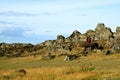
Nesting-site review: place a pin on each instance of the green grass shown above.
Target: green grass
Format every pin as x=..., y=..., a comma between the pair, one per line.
x=92, y=67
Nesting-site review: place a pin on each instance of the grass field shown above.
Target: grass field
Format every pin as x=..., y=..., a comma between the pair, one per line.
x=92, y=67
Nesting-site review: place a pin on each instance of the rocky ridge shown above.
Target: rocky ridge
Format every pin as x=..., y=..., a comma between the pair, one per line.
x=102, y=36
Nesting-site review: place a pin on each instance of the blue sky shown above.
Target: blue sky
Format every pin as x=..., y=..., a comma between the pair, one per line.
x=33, y=21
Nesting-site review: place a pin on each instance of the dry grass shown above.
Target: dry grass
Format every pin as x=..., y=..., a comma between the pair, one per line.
x=92, y=67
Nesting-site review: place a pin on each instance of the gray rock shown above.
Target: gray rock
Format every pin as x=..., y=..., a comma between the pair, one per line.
x=117, y=33
x=102, y=32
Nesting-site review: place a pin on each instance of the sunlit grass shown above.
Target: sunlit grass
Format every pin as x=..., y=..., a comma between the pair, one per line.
x=92, y=67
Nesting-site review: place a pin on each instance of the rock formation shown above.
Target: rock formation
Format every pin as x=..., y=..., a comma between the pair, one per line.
x=102, y=36
x=102, y=32
x=117, y=33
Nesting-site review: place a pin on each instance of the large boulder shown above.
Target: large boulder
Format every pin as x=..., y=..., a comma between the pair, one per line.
x=60, y=39
x=116, y=45
x=117, y=33
x=102, y=32
x=75, y=36
x=100, y=26
x=59, y=42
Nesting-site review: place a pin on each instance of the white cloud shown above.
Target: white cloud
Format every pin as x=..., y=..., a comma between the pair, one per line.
x=14, y=13
x=3, y=27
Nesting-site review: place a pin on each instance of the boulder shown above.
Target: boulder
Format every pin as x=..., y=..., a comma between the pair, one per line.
x=102, y=32
x=116, y=45
x=60, y=37
x=117, y=33
x=100, y=26
x=83, y=37
x=60, y=40
x=75, y=36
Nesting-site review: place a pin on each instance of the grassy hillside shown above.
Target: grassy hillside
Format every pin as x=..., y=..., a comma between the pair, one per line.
x=92, y=67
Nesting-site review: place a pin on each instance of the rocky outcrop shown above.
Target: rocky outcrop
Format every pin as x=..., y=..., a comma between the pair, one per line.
x=15, y=49
x=102, y=32
x=102, y=35
x=114, y=45
x=92, y=34
x=59, y=42
x=75, y=36
x=117, y=33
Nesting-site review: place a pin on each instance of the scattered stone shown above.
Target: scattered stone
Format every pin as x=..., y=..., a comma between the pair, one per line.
x=69, y=57
x=107, y=52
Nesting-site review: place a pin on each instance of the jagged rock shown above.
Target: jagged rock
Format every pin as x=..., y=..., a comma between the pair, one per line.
x=92, y=34
x=60, y=37
x=68, y=39
x=116, y=45
x=102, y=32
x=118, y=30
x=75, y=36
x=83, y=37
x=60, y=40
x=117, y=33
x=48, y=43
x=106, y=39
x=100, y=26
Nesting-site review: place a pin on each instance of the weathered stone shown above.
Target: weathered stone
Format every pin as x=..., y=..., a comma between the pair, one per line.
x=92, y=34
x=83, y=37
x=117, y=33
x=107, y=52
x=60, y=37
x=102, y=32
x=60, y=40
x=118, y=29
x=70, y=57
x=114, y=45
x=75, y=36
x=102, y=35
x=100, y=26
